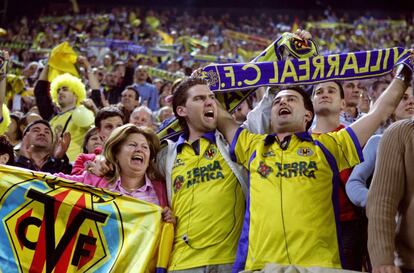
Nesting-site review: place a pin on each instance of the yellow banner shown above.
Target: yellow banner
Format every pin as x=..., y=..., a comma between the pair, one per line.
x=54, y=225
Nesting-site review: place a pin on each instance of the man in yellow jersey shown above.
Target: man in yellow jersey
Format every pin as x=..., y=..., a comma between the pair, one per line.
x=292, y=207
x=67, y=92
x=204, y=186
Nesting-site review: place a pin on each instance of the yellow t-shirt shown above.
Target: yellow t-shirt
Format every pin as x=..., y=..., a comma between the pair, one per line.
x=292, y=208
x=77, y=133
x=209, y=204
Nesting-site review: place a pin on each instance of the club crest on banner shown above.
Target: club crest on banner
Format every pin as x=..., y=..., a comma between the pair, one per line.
x=59, y=229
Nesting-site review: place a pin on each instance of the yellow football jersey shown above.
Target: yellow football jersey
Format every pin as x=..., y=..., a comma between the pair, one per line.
x=292, y=208
x=209, y=204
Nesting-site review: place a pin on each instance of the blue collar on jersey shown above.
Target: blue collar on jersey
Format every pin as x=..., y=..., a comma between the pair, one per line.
x=210, y=136
x=304, y=136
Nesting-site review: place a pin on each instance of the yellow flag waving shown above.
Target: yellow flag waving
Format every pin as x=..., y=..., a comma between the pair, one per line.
x=62, y=60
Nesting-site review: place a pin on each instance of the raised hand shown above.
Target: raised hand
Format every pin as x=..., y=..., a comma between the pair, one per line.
x=62, y=145
x=100, y=167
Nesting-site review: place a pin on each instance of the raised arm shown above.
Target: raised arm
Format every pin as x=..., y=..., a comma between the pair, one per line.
x=93, y=81
x=258, y=121
x=356, y=187
x=4, y=113
x=385, y=105
x=42, y=95
x=225, y=123
x=3, y=75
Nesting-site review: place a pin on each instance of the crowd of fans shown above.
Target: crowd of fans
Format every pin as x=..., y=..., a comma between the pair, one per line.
x=52, y=122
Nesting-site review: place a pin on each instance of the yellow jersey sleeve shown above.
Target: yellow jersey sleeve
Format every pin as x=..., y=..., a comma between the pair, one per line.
x=344, y=146
x=244, y=146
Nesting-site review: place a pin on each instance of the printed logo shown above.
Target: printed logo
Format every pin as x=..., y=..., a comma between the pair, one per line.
x=178, y=162
x=211, y=77
x=268, y=154
x=210, y=153
x=178, y=183
x=264, y=170
x=57, y=229
x=305, y=151
x=295, y=169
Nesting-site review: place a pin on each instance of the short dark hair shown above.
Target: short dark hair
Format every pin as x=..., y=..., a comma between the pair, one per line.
x=133, y=88
x=306, y=101
x=341, y=89
x=180, y=96
x=42, y=121
x=107, y=112
x=375, y=85
x=18, y=120
x=7, y=148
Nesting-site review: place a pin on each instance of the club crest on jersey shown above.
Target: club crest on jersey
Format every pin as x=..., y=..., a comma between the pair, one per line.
x=178, y=183
x=210, y=153
x=178, y=162
x=305, y=151
x=264, y=170
x=268, y=154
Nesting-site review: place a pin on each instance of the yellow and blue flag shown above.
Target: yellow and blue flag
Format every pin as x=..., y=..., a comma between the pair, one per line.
x=51, y=224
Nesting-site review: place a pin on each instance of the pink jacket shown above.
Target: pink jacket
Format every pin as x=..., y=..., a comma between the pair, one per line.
x=101, y=182
x=80, y=162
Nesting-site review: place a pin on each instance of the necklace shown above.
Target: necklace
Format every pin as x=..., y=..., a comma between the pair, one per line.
x=130, y=189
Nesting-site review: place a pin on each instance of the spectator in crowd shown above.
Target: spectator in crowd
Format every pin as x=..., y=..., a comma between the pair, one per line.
x=241, y=111
x=4, y=111
x=92, y=141
x=328, y=102
x=165, y=94
x=376, y=89
x=277, y=158
x=364, y=101
x=28, y=118
x=129, y=101
x=147, y=91
x=130, y=152
x=107, y=119
x=360, y=179
x=67, y=92
x=198, y=172
x=352, y=91
x=6, y=152
x=38, y=153
x=13, y=133
x=142, y=116
x=165, y=113
x=389, y=203
x=32, y=72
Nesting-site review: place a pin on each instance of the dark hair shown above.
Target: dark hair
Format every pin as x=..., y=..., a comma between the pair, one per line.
x=341, y=89
x=6, y=148
x=92, y=131
x=133, y=88
x=306, y=101
x=377, y=83
x=180, y=96
x=107, y=112
x=163, y=86
x=18, y=120
x=42, y=121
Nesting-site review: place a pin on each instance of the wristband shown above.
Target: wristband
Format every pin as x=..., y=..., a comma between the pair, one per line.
x=403, y=73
